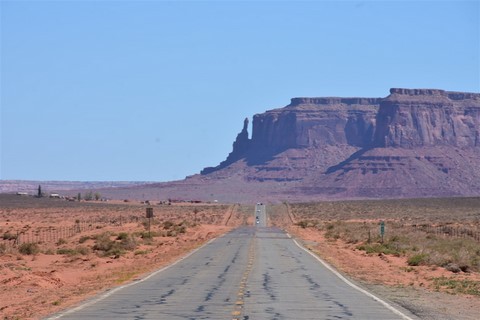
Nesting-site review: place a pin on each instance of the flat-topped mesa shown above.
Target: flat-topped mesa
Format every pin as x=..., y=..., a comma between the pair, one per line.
x=407, y=118
x=428, y=117
x=316, y=122
x=418, y=92
x=333, y=101
x=431, y=95
x=453, y=95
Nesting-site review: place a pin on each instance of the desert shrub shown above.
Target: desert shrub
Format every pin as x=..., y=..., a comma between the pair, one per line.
x=453, y=267
x=350, y=232
x=148, y=235
x=334, y=230
x=128, y=243
x=29, y=248
x=465, y=286
x=122, y=236
x=183, y=223
x=79, y=250
x=103, y=242
x=438, y=259
x=384, y=248
x=306, y=224
x=3, y=248
x=49, y=252
x=110, y=247
x=83, y=239
x=181, y=229
x=171, y=233
x=9, y=236
x=168, y=224
x=82, y=250
x=116, y=251
x=141, y=252
x=462, y=252
x=66, y=251
x=61, y=241
x=418, y=259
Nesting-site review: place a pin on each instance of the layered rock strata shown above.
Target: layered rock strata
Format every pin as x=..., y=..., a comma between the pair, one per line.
x=423, y=142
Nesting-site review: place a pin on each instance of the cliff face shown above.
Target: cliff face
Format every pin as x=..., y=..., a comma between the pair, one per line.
x=315, y=122
x=407, y=118
x=414, y=142
x=240, y=147
x=416, y=118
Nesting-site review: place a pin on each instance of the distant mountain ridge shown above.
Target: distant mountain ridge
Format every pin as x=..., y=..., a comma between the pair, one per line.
x=31, y=186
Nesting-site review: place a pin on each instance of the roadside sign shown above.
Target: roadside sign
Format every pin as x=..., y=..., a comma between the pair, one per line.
x=149, y=212
x=149, y=216
x=382, y=229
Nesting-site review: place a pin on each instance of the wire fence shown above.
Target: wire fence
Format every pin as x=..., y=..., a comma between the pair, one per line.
x=449, y=231
x=53, y=234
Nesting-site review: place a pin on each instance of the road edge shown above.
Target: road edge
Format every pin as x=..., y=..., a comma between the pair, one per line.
x=109, y=292
x=351, y=284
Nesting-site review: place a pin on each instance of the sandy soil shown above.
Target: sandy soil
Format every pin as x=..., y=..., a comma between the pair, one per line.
x=33, y=286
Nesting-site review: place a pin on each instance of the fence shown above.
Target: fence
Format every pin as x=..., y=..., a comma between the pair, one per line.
x=54, y=234
x=449, y=231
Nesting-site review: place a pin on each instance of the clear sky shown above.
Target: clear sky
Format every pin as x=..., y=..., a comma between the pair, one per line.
x=157, y=90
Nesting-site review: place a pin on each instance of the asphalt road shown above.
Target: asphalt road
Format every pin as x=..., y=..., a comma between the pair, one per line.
x=253, y=272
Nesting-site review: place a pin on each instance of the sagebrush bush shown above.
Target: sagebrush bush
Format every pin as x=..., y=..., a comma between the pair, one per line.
x=128, y=243
x=124, y=242
x=3, y=248
x=83, y=250
x=79, y=250
x=29, y=248
x=384, y=248
x=9, y=236
x=168, y=224
x=103, y=242
x=83, y=239
x=418, y=259
x=122, y=236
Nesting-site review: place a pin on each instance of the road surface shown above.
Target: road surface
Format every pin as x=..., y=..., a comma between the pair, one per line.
x=253, y=272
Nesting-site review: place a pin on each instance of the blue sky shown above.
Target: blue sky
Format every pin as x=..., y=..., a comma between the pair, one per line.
x=157, y=90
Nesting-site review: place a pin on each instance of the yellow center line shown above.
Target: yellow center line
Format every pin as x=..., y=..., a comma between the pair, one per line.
x=239, y=304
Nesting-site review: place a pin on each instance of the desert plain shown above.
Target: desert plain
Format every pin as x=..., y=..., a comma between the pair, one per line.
x=54, y=253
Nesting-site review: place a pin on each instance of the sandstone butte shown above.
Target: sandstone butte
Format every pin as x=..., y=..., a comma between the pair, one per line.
x=412, y=143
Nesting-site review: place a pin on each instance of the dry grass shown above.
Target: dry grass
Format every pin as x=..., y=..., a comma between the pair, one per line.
x=71, y=249
x=465, y=211
x=435, y=232
x=84, y=221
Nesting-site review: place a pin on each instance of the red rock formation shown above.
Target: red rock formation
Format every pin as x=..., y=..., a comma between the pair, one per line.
x=314, y=122
x=240, y=148
x=415, y=118
x=415, y=142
